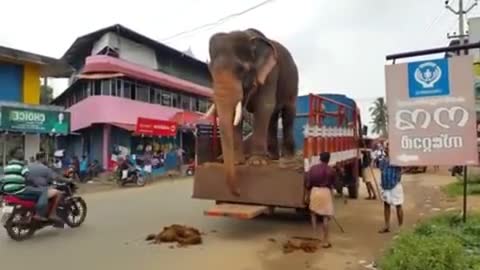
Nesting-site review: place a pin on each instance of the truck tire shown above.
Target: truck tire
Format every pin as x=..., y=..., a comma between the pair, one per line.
x=353, y=191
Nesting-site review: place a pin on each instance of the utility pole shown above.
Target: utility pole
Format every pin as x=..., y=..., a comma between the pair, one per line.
x=461, y=12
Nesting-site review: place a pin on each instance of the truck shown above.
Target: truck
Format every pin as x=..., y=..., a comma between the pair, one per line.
x=324, y=122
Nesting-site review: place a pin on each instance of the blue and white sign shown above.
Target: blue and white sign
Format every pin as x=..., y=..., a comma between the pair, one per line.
x=428, y=78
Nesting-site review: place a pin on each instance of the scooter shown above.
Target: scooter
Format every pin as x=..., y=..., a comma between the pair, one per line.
x=133, y=175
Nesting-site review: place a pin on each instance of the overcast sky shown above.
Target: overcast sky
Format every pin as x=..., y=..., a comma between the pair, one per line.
x=339, y=45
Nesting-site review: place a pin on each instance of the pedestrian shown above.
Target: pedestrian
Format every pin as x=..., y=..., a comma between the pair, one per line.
x=392, y=190
x=83, y=170
x=320, y=181
x=367, y=174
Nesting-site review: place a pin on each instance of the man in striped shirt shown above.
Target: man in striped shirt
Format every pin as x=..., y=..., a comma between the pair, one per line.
x=14, y=182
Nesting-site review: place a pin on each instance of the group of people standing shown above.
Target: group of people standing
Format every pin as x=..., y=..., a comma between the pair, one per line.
x=320, y=183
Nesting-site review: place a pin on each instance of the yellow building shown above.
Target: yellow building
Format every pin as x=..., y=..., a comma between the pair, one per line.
x=20, y=77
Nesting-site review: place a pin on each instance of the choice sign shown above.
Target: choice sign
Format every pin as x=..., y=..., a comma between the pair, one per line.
x=34, y=120
x=431, y=108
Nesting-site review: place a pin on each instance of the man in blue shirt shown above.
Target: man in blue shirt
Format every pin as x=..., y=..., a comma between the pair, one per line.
x=392, y=190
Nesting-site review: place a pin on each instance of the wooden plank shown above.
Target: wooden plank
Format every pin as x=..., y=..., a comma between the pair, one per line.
x=267, y=185
x=241, y=211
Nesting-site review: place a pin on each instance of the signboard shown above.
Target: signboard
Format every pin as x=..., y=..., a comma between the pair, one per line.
x=34, y=120
x=431, y=108
x=206, y=130
x=154, y=127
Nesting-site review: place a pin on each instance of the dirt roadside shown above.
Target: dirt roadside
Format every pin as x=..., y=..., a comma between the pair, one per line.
x=361, y=244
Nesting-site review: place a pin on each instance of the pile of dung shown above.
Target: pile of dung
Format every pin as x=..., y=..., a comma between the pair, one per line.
x=308, y=246
x=182, y=235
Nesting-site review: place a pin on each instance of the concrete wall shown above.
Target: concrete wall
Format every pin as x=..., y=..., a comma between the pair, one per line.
x=109, y=109
x=127, y=50
x=31, y=84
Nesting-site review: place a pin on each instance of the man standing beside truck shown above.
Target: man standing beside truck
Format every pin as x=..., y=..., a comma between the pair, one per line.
x=392, y=190
x=320, y=183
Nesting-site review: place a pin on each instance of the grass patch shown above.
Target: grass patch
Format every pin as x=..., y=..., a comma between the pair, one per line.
x=441, y=243
x=456, y=188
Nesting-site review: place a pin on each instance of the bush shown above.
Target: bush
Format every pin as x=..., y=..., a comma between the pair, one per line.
x=442, y=243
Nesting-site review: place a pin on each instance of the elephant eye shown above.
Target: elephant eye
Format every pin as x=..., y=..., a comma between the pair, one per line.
x=240, y=68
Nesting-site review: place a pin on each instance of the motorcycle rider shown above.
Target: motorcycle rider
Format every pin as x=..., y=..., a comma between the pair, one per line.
x=41, y=176
x=14, y=182
x=127, y=165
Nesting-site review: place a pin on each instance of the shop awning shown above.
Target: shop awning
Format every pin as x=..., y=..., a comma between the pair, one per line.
x=190, y=119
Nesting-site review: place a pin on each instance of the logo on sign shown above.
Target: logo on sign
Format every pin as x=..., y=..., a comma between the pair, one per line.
x=428, y=78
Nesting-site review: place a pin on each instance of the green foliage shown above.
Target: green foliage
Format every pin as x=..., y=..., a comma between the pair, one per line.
x=442, y=243
x=456, y=188
x=46, y=94
x=378, y=112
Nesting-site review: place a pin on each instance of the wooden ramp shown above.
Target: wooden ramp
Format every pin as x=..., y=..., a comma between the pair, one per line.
x=240, y=211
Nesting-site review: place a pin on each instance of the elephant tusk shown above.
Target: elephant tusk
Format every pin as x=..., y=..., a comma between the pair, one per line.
x=210, y=111
x=238, y=114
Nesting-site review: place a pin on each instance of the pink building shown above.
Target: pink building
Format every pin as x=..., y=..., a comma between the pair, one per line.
x=121, y=75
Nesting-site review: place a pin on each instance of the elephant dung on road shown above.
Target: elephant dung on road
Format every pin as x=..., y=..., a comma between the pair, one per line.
x=252, y=72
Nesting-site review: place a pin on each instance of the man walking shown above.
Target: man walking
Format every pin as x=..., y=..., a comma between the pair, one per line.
x=392, y=190
x=319, y=182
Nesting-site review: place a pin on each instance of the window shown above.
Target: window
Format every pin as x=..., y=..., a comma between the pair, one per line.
x=175, y=100
x=119, y=87
x=142, y=93
x=166, y=98
x=97, y=88
x=88, y=88
x=185, y=100
x=203, y=105
x=106, y=87
x=127, y=89
x=194, y=104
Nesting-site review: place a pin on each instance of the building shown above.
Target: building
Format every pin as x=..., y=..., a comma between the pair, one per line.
x=25, y=122
x=121, y=75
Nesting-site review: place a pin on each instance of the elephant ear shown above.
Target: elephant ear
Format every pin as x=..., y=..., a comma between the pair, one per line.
x=265, y=54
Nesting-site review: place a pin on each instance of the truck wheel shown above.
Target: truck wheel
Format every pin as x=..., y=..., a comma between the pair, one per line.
x=353, y=191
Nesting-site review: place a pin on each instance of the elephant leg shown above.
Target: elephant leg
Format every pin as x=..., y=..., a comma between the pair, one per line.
x=265, y=103
x=273, y=136
x=288, y=143
x=238, y=144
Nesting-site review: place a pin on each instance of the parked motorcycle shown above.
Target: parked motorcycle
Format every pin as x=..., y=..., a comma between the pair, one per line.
x=133, y=175
x=17, y=213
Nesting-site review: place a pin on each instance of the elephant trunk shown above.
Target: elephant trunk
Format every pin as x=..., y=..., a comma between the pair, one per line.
x=228, y=96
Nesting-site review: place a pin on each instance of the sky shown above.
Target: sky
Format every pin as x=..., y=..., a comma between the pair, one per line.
x=339, y=46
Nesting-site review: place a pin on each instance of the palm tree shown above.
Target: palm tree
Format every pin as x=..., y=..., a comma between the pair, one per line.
x=379, y=114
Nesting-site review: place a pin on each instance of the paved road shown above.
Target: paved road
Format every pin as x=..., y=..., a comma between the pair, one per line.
x=118, y=221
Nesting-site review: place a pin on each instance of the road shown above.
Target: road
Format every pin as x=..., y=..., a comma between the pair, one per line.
x=118, y=221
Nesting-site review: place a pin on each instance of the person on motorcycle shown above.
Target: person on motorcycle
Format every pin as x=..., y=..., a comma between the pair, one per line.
x=14, y=182
x=126, y=164
x=41, y=176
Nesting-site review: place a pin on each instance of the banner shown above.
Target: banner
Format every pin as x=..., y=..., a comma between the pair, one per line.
x=154, y=127
x=431, y=110
x=34, y=120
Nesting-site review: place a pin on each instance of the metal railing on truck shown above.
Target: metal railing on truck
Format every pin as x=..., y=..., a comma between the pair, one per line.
x=335, y=131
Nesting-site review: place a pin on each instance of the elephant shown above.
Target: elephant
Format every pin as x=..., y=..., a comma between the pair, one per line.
x=254, y=73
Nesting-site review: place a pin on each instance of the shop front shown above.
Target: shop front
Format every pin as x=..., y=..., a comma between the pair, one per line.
x=33, y=128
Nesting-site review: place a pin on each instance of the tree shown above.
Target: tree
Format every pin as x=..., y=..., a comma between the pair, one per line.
x=46, y=94
x=379, y=114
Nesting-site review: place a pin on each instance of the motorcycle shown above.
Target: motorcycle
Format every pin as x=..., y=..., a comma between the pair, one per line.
x=133, y=175
x=17, y=213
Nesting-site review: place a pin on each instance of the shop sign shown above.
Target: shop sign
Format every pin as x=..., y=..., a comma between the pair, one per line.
x=34, y=120
x=155, y=127
x=431, y=109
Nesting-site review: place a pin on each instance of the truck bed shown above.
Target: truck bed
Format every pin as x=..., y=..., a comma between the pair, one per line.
x=270, y=185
